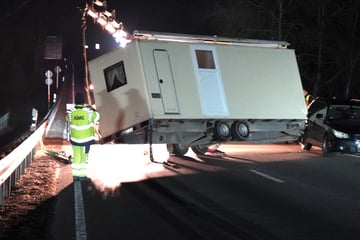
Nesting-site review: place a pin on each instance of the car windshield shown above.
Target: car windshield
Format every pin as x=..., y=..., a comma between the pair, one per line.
x=344, y=112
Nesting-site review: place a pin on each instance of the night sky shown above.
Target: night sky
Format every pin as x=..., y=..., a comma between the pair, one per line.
x=25, y=24
x=28, y=22
x=325, y=35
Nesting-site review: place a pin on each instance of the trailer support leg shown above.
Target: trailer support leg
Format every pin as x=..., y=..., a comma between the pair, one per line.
x=151, y=154
x=150, y=145
x=166, y=163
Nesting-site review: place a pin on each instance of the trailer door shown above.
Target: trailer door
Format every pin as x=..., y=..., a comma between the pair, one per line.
x=166, y=81
x=209, y=80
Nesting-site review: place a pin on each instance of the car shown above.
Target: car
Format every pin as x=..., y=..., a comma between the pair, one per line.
x=333, y=125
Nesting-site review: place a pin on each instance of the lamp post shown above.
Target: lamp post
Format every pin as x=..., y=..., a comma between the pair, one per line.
x=48, y=82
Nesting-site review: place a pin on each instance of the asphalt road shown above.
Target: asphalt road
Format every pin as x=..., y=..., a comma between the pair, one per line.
x=251, y=192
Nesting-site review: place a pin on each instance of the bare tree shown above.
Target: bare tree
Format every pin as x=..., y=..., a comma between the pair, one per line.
x=321, y=27
x=280, y=17
x=353, y=59
x=325, y=34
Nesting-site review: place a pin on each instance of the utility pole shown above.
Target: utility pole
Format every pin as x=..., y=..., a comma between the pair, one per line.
x=107, y=21
x=87, y=83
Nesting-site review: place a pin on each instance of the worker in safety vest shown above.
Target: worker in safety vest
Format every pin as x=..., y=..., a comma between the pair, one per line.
x=308, y=97
x=84, y=122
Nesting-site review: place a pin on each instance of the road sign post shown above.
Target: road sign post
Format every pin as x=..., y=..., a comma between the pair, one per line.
x=48, y=82
x=57, y=70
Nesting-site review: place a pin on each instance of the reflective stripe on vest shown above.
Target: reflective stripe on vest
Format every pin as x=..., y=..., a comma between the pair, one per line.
x=79, y=169
x=82, y=121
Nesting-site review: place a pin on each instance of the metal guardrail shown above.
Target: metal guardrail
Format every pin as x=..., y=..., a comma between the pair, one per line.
x=13, y=165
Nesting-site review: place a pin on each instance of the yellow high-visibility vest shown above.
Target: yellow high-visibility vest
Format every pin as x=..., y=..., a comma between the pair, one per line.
x=308, y=99
x=82, y=121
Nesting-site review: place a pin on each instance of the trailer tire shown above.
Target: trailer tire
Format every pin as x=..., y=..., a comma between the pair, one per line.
x=222, y=131
x=200, y=149
x=178, y=149
x=240, y=130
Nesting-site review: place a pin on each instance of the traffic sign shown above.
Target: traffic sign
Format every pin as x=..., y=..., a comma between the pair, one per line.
x=57, y=69
x=48, y=81
x=48, y=74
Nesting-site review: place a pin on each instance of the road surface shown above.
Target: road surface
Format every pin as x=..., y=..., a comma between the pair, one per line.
x=252, y=192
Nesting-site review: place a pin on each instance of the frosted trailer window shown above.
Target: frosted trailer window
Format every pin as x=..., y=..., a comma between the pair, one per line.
x=205, y=59
x=115, y=76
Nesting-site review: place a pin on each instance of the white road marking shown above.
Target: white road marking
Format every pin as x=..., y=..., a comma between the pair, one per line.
x=80, y=225
x=352, y=155
x=267, y=176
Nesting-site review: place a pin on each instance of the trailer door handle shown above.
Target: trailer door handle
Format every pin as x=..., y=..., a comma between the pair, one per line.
x=161, y=81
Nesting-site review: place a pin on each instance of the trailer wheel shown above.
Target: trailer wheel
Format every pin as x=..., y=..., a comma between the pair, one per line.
x=200, y=149
x=178, y=149
x=222, y=130
x=240, y=130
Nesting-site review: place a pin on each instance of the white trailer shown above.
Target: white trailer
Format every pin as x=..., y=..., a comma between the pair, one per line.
x=195, y=91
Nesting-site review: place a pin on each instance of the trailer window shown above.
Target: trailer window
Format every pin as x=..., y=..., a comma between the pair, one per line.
x=205, y=59
x=115, y=76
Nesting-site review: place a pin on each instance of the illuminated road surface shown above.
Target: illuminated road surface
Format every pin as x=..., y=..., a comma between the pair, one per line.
x=251, y=192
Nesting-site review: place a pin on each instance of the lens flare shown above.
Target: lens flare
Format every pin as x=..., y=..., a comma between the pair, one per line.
x=122, y=37
x=109, y=165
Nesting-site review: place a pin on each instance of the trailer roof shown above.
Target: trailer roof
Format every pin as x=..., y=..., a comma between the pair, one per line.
x=188, y=38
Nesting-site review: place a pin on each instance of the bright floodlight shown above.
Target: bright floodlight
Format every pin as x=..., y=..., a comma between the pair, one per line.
x=107, y=22
x=121, y=37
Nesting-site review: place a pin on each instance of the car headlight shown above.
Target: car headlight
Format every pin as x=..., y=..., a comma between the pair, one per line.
x=339, y=134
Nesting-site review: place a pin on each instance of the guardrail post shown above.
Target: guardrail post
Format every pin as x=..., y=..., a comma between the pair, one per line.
x=2, y=195
x=7, y=188
x=12, y=179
